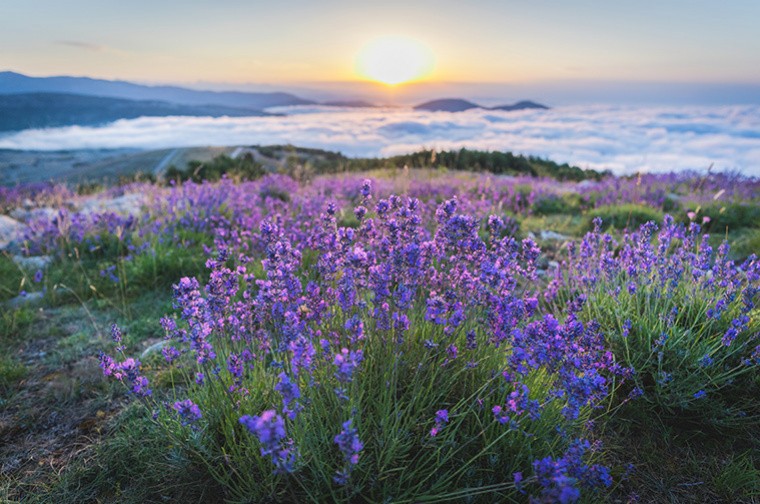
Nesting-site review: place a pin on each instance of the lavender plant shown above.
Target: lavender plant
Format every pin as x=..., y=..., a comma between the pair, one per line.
x=680, y=314
x=402, y=364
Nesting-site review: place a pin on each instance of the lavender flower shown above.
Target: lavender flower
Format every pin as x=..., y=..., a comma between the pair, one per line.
x=441, y=419
x=188, y=411
x=350, y=446
x=269, y=428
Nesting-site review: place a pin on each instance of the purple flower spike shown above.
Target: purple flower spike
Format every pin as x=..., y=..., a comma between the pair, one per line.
x=269, y=428
x=189, y=412
x=349, y=444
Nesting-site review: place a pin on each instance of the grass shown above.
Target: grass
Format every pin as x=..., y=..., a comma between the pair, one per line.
x=568, y=225
x=673, y=465
x=49, y=373
x=132, y=464
x=627, y=216
x=11, y=372
x=14, y=278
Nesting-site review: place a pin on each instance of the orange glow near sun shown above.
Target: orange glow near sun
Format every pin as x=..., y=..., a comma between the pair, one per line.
x=394, y=60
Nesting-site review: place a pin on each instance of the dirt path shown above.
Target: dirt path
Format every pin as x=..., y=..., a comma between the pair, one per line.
x=165, y=163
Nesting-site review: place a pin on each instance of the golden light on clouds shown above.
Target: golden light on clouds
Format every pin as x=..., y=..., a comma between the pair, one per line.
x=394, y=60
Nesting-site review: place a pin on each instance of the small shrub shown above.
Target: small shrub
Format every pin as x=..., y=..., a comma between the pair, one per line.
x=744, y=243
x=270, y=191
x=671, y=204
x=557, y=204
x=731, y=217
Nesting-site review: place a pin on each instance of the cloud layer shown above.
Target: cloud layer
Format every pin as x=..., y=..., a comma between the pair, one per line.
x=622, y=139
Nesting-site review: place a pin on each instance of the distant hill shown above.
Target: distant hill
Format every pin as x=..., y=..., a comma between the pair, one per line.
x=45, y=110
x=99, y=165
x=460, y=105
x=14, y=83
x=447, y=105
x=521, y=105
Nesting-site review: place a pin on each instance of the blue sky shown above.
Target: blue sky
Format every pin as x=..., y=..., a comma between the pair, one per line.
x=296, y=41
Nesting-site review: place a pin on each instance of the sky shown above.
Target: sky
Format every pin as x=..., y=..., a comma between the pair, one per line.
x=306, y=42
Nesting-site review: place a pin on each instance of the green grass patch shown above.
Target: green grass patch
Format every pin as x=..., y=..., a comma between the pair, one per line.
x=553, y=204
x=731, y=217
x=11, y=372
x=628, y=216
x=13, y=279
x=133, y=464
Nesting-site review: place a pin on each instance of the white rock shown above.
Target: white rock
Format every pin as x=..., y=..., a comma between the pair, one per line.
x=126, y=204
x=29, y=298
x=33, y=263
x=154, y=348
x=9, y=230
x=28, y=215
x=552, y=235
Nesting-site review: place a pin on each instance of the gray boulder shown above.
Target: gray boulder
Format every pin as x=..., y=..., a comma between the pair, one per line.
x=553, y=235
x=127, y=204
x=28, y=299
x=33, y=263
x=10, y=229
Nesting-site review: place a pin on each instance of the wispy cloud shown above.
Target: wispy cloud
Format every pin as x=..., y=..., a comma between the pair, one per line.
x=87, y=46
x=623, y=139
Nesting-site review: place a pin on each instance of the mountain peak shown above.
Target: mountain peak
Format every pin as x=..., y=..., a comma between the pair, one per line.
x=447, y=105
x=521, y=105
x=460, y=105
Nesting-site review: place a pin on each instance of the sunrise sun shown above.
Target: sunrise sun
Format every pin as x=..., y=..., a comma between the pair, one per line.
x=394, y=60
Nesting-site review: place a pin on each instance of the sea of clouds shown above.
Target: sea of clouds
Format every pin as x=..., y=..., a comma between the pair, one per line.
x=620, y=138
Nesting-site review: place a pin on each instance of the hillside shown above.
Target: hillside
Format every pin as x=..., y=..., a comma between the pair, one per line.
x=14, y=83
x=46, y=110
x=80, y=166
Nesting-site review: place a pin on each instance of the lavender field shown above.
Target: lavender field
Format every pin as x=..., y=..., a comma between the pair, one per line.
x=395, y=335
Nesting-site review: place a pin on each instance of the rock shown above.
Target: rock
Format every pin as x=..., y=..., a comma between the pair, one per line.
x=9, y=230
x=127, y=204
x=30, y=298
x=30, y=214
x=154, y=348
x=15, y=247
x=33, y=263
x=552, y=235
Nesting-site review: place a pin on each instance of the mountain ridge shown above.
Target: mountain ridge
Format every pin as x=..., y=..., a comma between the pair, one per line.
x=16, y=83
x=22, y=111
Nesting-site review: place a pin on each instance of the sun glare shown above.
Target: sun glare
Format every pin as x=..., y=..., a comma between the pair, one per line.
x=394, y=60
